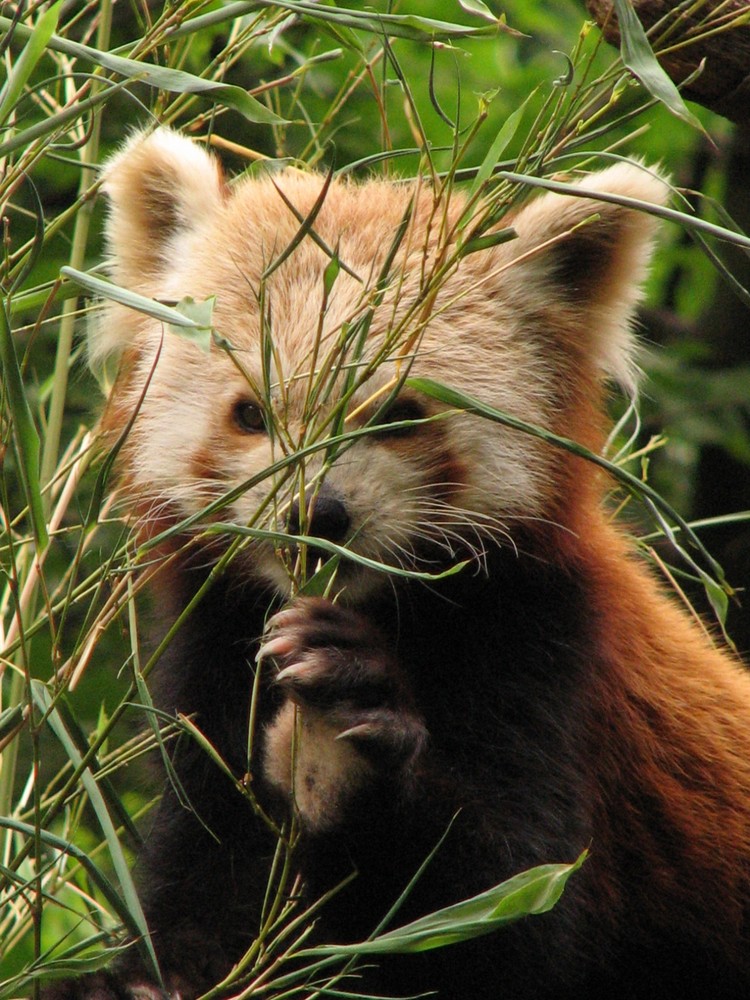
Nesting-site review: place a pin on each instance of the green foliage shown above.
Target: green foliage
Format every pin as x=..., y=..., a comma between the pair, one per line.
x=532, y=892
x=461, y=98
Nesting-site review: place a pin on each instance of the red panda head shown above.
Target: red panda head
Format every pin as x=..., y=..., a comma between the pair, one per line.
x=311, y=348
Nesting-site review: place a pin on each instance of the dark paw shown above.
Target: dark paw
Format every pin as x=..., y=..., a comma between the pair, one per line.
x=333, y=661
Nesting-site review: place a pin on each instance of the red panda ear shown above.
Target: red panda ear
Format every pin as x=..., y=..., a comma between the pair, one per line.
x=583, y=260
x=159, y=187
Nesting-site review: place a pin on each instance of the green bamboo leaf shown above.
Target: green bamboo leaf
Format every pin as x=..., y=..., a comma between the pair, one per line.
x=97, y=876
x=717, y=597
x=332, y=271
x=395, y=25
x=34, y=298
x=566, y=78
x=320, y=581
x=207, y=746
x=410, y=26
x=638, y=56
x=658, y=211
x=73, y=961
x=132, y=904
x=37, y=243
x=478, y=8
x=154, y=717
x=112, y=801
x=24, y=432
x=162, y=77
x=199, y=313
x=528, y=894
x=176, y=317
x=487, y=241
x=38, y=38
x=305, y=226
x=499, y=144
x=292, y=459
x=227, y=528
x=53, y=124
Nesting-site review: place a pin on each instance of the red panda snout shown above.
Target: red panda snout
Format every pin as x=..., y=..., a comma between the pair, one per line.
x=327, y=517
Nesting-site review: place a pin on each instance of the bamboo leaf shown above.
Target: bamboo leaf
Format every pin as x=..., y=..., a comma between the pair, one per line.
x=333, y=268
x=199, y=313
x=136, y=917
x=320, y=581
x=162, y=77
x=487, y=241
x=530, y=893
x=226, y=528
x=38, y=38
x=73, y=961
x=659, y=211
x=639, y=58
x=24, y=432
x=176, y=317
x=54, y=123
x=499, y=144
x=478, y=8
x=10, y=718
x=717, y=597
x=97, y=876
x=410, y=26
x=305, y=226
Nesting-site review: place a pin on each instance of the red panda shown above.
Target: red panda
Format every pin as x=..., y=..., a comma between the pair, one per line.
x=545, y=699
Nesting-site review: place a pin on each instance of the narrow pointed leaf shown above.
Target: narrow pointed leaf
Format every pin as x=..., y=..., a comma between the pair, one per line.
x=639, y=57
x=97, y=876
x=25, y=434
x=499, y=144
x=411, y=26
x=130, y=896
x=530, y=893
x=162, y=77
x=38, y=37
x=178, y=316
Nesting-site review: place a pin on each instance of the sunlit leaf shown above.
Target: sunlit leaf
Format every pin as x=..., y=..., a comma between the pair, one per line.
x=411, y=26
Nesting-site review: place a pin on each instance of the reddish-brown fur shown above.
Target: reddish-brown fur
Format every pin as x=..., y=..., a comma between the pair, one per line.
x=549, y=698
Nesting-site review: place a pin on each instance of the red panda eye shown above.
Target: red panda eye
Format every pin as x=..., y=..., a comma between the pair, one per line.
x=400, y=410
x=248, y=417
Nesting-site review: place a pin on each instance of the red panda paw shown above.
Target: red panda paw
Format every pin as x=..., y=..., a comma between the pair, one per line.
x=346, y=715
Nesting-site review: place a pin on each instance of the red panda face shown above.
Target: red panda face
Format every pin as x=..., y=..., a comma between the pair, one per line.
x=313, y=367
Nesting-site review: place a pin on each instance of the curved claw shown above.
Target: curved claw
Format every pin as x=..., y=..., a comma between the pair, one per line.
x=280, y=646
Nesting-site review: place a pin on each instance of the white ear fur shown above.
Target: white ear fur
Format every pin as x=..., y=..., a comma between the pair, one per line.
x=159, y=186
x=597, y=260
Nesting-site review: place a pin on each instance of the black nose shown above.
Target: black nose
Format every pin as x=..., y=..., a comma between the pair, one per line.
x=327, y=517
